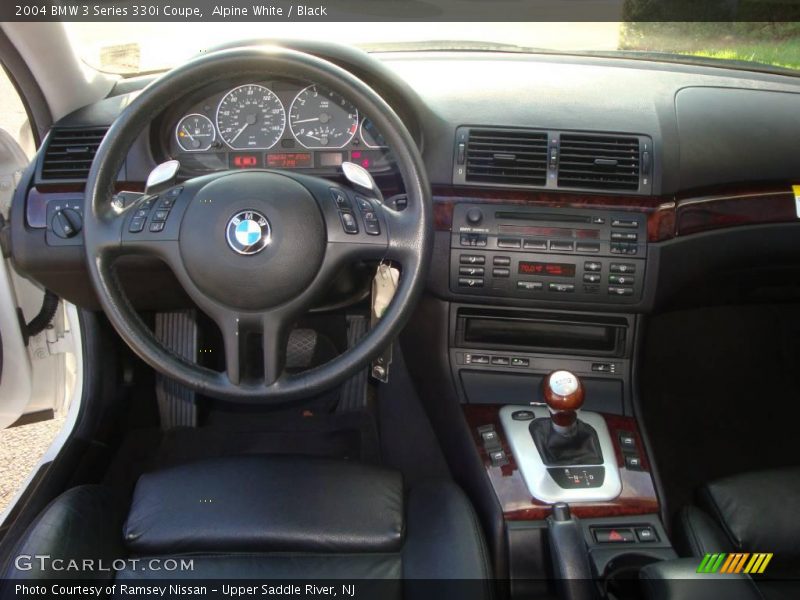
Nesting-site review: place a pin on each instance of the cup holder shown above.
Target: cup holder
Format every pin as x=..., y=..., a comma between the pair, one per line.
x=621, y=576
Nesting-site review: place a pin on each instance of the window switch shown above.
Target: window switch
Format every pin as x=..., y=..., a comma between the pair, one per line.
x=633, y=462
x=490, y=438
x=627, y=441
x=498, y=458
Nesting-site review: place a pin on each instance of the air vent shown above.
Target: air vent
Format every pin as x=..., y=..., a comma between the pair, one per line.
x=70, y=153
x=501, y=156
x=599, y=162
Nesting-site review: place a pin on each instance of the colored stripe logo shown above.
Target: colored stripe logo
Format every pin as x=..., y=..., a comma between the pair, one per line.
x=737, y=562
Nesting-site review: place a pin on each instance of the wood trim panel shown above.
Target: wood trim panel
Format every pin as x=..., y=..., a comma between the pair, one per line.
x=718, y=211
x=638, y=495
x=667, y=217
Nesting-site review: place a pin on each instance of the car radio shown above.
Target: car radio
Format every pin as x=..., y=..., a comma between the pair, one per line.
x=548, y=253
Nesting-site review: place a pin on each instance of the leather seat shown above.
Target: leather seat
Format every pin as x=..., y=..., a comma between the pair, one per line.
x=261, y=518
x=753, y=512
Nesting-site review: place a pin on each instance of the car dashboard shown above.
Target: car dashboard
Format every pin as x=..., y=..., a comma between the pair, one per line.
x=572, y=197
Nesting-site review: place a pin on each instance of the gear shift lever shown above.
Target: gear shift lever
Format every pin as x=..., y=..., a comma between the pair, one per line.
x=563, y=439
x=565, y=453
x=564, y=395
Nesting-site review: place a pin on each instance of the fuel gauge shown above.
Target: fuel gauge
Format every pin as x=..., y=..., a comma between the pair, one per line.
x=195, y=133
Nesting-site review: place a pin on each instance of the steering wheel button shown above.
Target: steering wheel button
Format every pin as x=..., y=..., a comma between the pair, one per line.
x=160, y=215
x=142, y=213
x=137, y=224
x=174, y=192
x=372, y=227
x=166, y=203
x=364, y=205
x=340, y=199
x=157, y=226
x=349, y=222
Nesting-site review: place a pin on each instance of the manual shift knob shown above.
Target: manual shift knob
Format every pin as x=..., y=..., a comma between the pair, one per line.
x=564, y=394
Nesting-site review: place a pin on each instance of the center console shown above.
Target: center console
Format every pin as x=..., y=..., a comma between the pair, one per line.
x=541, y=345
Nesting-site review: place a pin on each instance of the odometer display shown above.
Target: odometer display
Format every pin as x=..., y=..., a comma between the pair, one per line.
x=251, y=117
x=290, y=160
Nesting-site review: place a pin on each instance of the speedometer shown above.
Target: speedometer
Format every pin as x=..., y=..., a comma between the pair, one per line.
x=251, y=117
x=320, y=118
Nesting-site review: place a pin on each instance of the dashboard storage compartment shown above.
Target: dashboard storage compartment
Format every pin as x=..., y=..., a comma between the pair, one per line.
x=534, y=331
x=500, y=355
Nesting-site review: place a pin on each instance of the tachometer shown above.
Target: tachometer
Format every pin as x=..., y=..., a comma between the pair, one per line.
x=251, y=117
x=320, y=118
x=195, y=133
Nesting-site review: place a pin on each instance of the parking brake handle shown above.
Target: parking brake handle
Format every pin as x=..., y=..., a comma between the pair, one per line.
x=570, y=557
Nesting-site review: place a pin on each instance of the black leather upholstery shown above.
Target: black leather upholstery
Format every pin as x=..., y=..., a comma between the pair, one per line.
x=697, y=533
x=679, y=580
x=752, y=512
x=759, y=510
x=276, y=518
x=83, y=523
x=247, y=504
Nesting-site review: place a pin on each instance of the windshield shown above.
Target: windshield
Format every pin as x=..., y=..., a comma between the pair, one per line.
x=126, y=49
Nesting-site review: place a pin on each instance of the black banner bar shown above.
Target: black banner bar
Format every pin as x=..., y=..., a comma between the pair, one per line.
x=399, y=10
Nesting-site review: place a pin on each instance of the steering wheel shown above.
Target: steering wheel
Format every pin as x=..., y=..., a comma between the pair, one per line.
x=254, y=249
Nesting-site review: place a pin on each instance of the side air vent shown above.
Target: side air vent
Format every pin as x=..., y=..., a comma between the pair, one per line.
x=506, y=156
x=601, y=162
x=70, y=152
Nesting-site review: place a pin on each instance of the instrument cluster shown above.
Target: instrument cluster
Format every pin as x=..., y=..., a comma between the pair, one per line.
x=273, y=124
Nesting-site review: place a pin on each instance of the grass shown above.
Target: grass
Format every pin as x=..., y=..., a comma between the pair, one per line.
x=780, y=54
x=779, y=49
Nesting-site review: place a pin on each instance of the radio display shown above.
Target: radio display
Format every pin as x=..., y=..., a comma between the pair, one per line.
x=560, y=232
x=548, y=269
x=290, y=160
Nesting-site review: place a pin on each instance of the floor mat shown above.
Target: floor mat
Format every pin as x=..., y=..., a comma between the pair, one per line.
x=720, y=393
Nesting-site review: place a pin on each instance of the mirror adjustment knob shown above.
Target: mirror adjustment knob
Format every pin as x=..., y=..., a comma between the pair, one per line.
x=474, y=216
x=66, y=223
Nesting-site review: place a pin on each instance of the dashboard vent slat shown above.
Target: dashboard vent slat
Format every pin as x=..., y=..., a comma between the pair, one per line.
x=606, y=162
x=70, y=152
x=507, y=156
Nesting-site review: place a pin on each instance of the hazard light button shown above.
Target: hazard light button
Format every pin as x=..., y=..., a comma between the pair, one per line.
x=614, y=535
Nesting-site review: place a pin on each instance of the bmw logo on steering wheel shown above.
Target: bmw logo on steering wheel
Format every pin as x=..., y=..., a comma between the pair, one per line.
x=248, y=232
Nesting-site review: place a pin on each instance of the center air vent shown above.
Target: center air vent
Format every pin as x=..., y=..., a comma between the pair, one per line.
x=506, y=156
x=598, y=162
x=70, y=153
